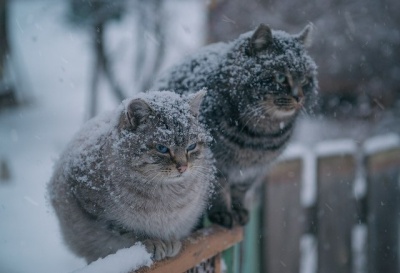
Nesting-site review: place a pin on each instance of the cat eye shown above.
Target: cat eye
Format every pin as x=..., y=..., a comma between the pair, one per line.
x=280, y=78
x=191, y=147
x=162, y=149
x=304, y=81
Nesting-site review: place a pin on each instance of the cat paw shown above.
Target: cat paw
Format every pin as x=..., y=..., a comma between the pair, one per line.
x=162, y=249
x=238, y=216
x=241, y=216
x=173, y=248
x=223, y=218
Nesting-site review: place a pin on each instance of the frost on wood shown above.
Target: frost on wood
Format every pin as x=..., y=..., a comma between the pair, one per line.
x=124, y=261
x=309, y=254
x=336, y=147
x=382, y=143
x=308, y=194
x=359, y=241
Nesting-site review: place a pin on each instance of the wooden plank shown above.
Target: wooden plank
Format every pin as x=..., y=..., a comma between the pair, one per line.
x=383, y=174
x=201, y=246
x=284, y=218
x=336, y=212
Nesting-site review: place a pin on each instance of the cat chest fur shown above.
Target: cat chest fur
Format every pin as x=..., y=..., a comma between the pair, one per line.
x=162, y=215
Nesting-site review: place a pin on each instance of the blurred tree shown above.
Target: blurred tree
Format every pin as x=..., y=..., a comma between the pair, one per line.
x=355, y=45
x=150, y=20
x=95, y=15
x=8, y=92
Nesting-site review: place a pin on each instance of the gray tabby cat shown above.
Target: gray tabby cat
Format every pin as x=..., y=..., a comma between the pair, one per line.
x=142, y=174
x=257, y=85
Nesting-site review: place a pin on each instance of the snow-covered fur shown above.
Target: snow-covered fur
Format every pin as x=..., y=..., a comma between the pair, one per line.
x=142, y=173
x=257, y=85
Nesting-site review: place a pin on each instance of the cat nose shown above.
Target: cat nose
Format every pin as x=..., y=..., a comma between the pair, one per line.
x=297, y=94
x=181, y=168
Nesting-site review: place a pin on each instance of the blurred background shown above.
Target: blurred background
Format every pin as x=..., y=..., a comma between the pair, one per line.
x=64, y=61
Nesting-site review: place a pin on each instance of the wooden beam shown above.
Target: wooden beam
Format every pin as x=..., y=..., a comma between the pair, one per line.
x=199, y=247
x=336, y=212
x=284, y=218
x=383, y=176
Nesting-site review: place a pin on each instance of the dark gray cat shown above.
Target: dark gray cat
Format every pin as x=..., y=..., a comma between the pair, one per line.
x=257, y=85
x=142, y=173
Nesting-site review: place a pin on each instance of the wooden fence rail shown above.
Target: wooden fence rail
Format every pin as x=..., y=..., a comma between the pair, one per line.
x=201, y=252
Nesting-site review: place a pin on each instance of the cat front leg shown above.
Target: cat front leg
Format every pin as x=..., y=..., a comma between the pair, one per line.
x=227, y=206
x=240, y=213
x=161, y=249
x=220, y=211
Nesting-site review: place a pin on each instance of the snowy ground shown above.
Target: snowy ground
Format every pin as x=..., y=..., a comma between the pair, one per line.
x=55, y=61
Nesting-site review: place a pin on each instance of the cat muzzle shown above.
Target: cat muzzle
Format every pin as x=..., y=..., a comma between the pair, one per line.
x=284, y=101
x=181, y=168
x=297, y=94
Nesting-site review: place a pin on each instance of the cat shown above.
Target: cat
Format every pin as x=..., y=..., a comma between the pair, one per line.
x=256, y=87
x=140, y=174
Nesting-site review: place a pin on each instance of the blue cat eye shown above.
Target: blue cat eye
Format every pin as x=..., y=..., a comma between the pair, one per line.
x=191, y=147
x=162, y=149
x=280, y=78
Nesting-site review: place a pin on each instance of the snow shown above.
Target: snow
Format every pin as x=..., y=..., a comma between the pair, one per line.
x=359, y=238
x=382, y=143
x=360, y=185
x=309, y=254
x=336, y=147
x=360, y=181
x=55, y=63
x=308, y=194
x=124, y=261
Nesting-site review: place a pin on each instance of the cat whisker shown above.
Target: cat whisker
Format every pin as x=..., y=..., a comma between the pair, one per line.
x=154, y=177
x=218, y=171
x=251, y=115
x=264, y=107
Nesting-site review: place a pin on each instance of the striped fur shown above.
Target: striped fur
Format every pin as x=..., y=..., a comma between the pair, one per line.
x=257, y=85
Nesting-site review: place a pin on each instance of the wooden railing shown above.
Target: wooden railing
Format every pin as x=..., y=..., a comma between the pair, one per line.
x=201, y=252
x=334, y=208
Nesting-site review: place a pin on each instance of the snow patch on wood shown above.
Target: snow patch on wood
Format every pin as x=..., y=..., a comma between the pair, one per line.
x=308, y=194
x=336, y=147
x=382, y=143
x=124, y=261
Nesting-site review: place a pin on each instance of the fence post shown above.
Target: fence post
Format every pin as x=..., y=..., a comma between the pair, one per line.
x=284, y=221
x=336, y=205
x=383, y=174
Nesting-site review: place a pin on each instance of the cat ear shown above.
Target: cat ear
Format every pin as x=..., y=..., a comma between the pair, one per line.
x=305, y=36
x=195, y=101
x=261, y=39
x=137, y=112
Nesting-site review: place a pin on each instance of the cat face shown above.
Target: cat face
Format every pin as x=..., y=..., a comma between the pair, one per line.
x=171, y=144
x=275, y=79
